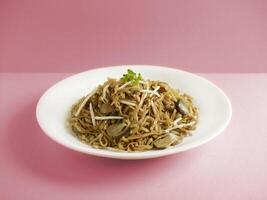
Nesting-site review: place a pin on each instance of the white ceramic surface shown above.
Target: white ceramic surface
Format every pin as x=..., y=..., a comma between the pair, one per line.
x=214, y=107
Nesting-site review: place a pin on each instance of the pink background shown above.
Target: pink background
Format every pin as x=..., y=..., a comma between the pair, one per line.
x=232, y=166
x=70, y=36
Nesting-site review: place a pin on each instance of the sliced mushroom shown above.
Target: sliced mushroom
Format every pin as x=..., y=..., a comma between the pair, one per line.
x=182, y=107
x=166, y=141
x=116, y=130
x=106, y=109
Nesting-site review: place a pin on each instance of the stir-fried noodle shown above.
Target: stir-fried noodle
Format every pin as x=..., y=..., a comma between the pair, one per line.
x=132, y=114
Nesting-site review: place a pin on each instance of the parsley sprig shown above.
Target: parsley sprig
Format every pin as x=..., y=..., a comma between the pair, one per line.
x=132, y=77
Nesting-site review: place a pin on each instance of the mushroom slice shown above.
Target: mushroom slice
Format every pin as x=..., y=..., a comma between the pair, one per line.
x=106, y=109
x=182, y=107
x=117, y=129
x=166, y=141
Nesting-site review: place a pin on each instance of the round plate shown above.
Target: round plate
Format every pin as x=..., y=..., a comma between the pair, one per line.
x=54, y=106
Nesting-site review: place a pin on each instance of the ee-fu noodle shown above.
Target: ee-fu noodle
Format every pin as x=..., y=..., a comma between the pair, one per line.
x=132, y=114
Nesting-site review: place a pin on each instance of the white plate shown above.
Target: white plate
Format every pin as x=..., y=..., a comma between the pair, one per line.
x=53, y=107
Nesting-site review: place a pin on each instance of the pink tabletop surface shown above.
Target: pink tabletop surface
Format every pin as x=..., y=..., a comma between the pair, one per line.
x=232, y=166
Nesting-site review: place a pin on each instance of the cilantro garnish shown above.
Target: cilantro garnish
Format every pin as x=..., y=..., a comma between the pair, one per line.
x=132, y=77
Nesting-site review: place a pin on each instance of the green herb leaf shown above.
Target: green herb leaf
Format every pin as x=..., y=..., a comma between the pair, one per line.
x=131, y=76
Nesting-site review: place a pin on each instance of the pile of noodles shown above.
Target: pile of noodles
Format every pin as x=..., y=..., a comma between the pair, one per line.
x=133, y=116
